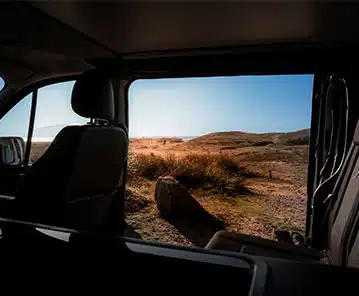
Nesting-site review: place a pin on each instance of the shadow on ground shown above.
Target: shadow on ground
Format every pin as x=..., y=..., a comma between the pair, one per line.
x=198, y=227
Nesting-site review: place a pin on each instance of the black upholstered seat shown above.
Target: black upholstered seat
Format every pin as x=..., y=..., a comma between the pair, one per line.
x=74, y=183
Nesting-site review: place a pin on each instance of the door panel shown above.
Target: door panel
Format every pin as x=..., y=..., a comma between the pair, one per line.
x=10, y=178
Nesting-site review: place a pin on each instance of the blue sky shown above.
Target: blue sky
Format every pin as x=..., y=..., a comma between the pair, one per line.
x=183, y=107
x=1, y=83
x=53, y=112
x=197, y=106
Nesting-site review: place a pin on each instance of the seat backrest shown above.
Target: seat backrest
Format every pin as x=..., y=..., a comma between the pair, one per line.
x=344, y=210
x=74, y=182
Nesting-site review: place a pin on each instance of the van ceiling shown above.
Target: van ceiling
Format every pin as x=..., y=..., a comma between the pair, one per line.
x=104, y=30
x=34, y=46
x=142, y=26
x=43, y=39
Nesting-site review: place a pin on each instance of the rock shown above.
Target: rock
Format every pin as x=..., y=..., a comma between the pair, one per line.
x=173, y=199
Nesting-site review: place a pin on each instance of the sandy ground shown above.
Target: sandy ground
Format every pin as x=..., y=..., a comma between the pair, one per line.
x=275, y=203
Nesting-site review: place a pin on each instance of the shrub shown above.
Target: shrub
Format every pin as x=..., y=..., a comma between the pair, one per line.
x=217, y=173
x=299, y=141
x=148, y=166
x=262, y=143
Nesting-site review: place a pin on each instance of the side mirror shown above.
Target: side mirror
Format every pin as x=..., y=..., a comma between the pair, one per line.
x=12, y=151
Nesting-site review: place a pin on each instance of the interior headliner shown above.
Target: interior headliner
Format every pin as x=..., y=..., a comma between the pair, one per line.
x=142, y=26
x=51, y=39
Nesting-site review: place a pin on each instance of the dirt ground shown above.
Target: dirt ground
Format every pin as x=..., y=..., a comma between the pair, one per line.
x=277, y=198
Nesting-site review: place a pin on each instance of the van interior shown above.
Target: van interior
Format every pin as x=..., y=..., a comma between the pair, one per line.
x=62, y=215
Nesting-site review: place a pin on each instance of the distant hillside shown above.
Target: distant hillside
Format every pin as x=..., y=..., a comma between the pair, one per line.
x=242, y=139
x=300, y=137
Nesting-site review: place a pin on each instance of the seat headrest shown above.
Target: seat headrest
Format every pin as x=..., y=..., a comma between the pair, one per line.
x=92, y=96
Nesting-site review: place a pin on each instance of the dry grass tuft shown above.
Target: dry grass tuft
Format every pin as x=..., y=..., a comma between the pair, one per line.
x=215, y=173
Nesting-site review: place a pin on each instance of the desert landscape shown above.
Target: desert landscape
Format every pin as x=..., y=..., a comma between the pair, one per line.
x=250, y=183
x=245, y=183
